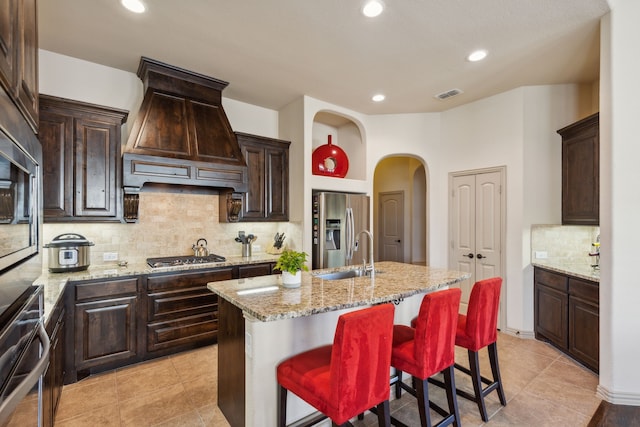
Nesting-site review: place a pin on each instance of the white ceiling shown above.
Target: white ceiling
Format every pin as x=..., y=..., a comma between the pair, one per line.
x=274, y=51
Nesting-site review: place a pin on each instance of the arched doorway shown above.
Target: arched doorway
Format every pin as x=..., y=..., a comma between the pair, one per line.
x=400, y=180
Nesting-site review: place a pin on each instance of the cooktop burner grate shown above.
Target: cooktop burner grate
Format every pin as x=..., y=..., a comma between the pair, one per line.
x=172, y=261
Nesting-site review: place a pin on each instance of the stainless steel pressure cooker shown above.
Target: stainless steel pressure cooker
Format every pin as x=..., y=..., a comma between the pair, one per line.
x=69, y=252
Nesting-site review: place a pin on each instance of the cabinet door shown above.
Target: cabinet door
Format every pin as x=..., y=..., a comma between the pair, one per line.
x=96, y=169
x=551, y=315
x=277, y=184
x=27, y=88
x=581, y=172
x=105, y=332
x=584, y=332
x=9, y=35
x=56, y=136
x=253, y=206
x=267, y=198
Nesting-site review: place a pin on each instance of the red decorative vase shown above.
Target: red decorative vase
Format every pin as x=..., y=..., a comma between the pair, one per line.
x=330, y=160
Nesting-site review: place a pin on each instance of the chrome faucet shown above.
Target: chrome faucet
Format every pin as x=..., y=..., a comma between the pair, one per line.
x=369, y=270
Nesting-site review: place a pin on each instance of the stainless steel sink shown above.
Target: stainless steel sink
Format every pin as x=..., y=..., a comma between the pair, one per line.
x=346, y=274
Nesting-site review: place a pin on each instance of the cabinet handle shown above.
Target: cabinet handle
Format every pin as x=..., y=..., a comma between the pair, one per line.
x=469, y=255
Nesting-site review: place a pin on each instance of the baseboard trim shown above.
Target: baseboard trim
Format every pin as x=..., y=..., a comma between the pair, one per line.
x=618, y=398
x=529, y=335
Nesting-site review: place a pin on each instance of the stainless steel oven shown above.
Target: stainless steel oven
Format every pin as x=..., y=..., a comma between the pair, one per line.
x=24, y=357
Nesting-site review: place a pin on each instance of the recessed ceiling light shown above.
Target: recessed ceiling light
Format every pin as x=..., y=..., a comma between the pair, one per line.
x=477, y=55
x=377, y=98
x=372, y=8
x=134, y=5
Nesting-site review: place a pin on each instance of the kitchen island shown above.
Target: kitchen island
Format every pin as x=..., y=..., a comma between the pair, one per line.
x=261, y=323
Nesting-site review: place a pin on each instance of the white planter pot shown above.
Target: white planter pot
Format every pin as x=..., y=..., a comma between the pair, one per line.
x=291, y=280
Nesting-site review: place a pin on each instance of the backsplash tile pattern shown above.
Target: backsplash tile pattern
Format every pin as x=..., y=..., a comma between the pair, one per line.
x=170, y=223
x=569, y=244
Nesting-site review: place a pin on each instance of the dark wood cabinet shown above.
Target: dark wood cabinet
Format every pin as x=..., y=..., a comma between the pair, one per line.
x=584, y=322
x=54, y=375
x=181, y=312
x=566, y=314
x=253, y=270
x=581, y=172
x=19, y=56
x=550, y=301
x=105, y=325
x=116, y=322
x=267, y=197
x=81, y=146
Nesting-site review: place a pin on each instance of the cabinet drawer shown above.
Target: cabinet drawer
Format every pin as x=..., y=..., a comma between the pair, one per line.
x=110, y=289
x=187, y=280
x=174, y=304
x=584, y=289
x=552, y=280
x=254, y=270
x=187, y=331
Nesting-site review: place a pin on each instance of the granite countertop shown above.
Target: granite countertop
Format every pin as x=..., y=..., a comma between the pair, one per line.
x=54, y=283
x=268, y=300
x=580, y=270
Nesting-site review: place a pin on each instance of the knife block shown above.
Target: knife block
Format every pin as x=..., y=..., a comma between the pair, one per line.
x=274, y=251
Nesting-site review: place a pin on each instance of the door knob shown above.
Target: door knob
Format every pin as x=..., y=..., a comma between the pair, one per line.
x=397, y=241
x=479, y=256
x=468, y=255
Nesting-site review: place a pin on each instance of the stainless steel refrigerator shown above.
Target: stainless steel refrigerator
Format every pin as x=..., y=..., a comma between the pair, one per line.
x=337, y=220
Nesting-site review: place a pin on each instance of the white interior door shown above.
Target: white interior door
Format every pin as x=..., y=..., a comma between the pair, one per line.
x=476, y=227
x=391, y=226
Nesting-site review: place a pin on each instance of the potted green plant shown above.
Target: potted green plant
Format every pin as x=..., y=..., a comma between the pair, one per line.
x=291, y=263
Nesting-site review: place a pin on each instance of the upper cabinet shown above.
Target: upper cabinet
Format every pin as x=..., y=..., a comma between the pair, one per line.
x=19, y=56
x=267, y=196
x=81, y=146
x=581, y=172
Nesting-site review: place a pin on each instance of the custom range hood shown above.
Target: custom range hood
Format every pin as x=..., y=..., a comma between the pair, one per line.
x=181, y=136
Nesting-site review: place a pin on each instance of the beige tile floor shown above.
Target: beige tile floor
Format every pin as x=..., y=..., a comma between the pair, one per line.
x=543, y=388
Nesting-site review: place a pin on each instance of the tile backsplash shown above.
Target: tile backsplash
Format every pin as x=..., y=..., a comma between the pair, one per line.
x=169, y=224
x=564, y=243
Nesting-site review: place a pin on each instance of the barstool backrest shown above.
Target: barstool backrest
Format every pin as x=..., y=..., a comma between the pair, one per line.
x=435, y=334
x=361, y=358
x=482, y=313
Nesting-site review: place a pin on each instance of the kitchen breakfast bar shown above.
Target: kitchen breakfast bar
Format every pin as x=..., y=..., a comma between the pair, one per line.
x=260, y=323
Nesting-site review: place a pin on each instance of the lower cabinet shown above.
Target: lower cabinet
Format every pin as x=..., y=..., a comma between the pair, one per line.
x=125, y=320
x=181, y=312
x=566, y=314
x=105, y=329
x=54, y=375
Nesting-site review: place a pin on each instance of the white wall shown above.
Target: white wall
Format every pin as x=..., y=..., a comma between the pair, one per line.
x=619, y=204
x=73, y=78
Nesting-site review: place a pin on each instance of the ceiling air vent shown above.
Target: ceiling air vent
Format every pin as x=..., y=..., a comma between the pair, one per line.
x=448, y=94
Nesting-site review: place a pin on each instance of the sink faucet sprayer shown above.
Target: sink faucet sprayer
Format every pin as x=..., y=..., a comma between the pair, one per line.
x=370, y=270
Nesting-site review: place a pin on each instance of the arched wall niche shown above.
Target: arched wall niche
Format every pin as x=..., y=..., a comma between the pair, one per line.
x=409, y=174
x=347, y=134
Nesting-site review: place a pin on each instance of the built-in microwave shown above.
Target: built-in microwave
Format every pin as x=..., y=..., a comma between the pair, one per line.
x=20, y=260
x=19, y=173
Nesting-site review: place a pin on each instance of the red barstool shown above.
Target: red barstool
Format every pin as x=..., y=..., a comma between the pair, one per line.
x=477, y=330
x=427, y=349
x=347, y=378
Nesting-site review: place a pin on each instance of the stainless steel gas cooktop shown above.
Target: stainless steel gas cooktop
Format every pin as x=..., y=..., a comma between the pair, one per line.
x=172, y=261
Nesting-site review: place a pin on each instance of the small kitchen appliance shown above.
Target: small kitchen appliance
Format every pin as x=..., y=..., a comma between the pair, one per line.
x=69, y=252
